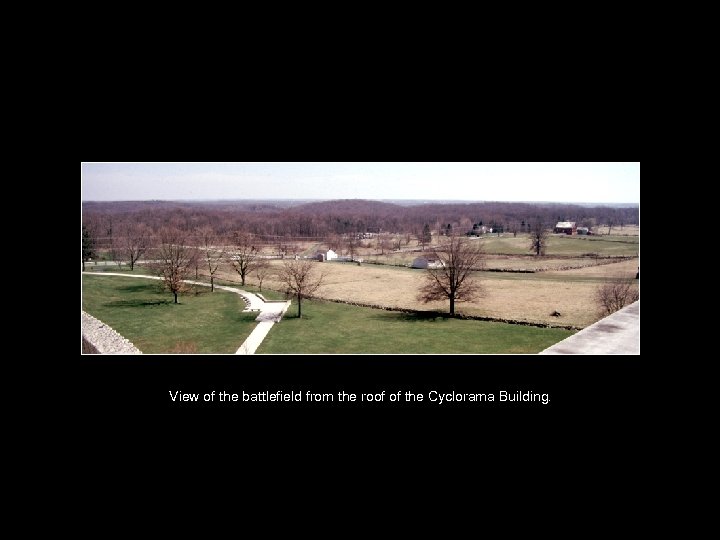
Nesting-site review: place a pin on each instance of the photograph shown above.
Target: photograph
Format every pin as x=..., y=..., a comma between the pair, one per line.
x=360, y=258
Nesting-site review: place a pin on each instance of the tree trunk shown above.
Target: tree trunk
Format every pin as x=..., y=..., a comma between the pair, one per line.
x=175, y=297
x=83, y=261
x=212, y=283
x=132, y=265
x=299, y=308
x=242, y=279
x=452, y=306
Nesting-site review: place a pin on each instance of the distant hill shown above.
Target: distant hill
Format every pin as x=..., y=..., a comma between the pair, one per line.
x=318, y=219
x=120, y=207
x=349, y=207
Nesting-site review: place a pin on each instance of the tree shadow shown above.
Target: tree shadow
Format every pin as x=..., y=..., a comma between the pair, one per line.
x=142, y=287
x=420, y=316
x=137, y=303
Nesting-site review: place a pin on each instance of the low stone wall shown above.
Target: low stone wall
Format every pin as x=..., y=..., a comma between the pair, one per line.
x=99, y=338
x=445, y=314
x=599, y=261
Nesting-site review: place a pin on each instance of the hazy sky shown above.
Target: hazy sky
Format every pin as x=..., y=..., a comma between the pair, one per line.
x=612, y=182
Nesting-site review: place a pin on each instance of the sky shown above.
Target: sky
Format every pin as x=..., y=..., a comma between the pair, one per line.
x=608, y=182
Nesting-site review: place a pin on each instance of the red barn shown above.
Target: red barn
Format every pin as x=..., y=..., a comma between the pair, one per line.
x=567, y=227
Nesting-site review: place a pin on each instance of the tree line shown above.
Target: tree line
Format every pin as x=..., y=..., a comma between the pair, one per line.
x=275, y=221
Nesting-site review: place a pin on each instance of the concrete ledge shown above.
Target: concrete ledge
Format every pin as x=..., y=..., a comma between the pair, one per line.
x=99, y=338
x=618, y=333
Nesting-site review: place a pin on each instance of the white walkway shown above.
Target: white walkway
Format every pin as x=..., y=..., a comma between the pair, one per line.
x=270, y=312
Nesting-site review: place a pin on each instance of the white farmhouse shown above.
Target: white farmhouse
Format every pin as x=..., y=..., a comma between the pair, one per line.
x=328, y=255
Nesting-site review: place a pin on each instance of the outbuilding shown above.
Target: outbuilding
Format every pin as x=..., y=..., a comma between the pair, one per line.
x=566, y=227
x=328, y=255
x=427, y=262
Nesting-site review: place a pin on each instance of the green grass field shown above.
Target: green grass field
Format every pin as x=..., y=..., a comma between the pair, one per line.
x=141, y=311
x=114, y=268
x=328, y=327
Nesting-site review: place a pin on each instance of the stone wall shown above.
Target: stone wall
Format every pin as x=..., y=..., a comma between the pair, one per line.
x=99, y=338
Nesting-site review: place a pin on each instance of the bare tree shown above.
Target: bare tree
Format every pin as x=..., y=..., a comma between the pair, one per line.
x=213, y=252
x=133, y=241
x=116, y=250
x=452, y=280
x=262, y=269
x=382, y=243
x=333, y=242
x=615, y=295
x=244, y=255
x=407, y=237
x=612, y=218
x=300, y=280
x=425, y=236
x=397, y=242
x=88, y=245
x=352, y=243
x=538, y=237
x=174, y=258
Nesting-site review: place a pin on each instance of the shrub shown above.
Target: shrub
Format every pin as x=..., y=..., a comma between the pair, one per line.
x=615, y=295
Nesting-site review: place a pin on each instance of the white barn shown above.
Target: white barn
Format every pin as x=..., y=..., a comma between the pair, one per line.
x=425, y=262
x=328, y=255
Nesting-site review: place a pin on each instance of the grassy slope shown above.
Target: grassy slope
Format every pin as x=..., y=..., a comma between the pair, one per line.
x=328, y=327
x=140, y=311
x=114, y=268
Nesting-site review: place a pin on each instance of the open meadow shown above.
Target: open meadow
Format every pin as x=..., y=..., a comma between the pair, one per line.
x=563, y=281
x=333, y=328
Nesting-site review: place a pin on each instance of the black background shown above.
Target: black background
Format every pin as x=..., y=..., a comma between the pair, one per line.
x=588, y=394
x=577, y=385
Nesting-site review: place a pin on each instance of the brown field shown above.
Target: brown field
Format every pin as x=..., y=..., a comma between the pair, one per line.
x=527, y=297
x=627, y=230
x=508, y=262
x=625, y=269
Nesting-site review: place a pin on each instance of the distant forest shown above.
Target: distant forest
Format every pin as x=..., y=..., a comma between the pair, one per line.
x=284, y=219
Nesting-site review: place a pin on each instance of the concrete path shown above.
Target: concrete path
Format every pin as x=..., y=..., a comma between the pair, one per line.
x=270, y=312
x=618, y=333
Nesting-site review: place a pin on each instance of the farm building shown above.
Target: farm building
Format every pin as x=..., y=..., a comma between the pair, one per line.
x=425, y=262
x=583, y=230
x=328, y=255
x=477, y=230
x=566, y=227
